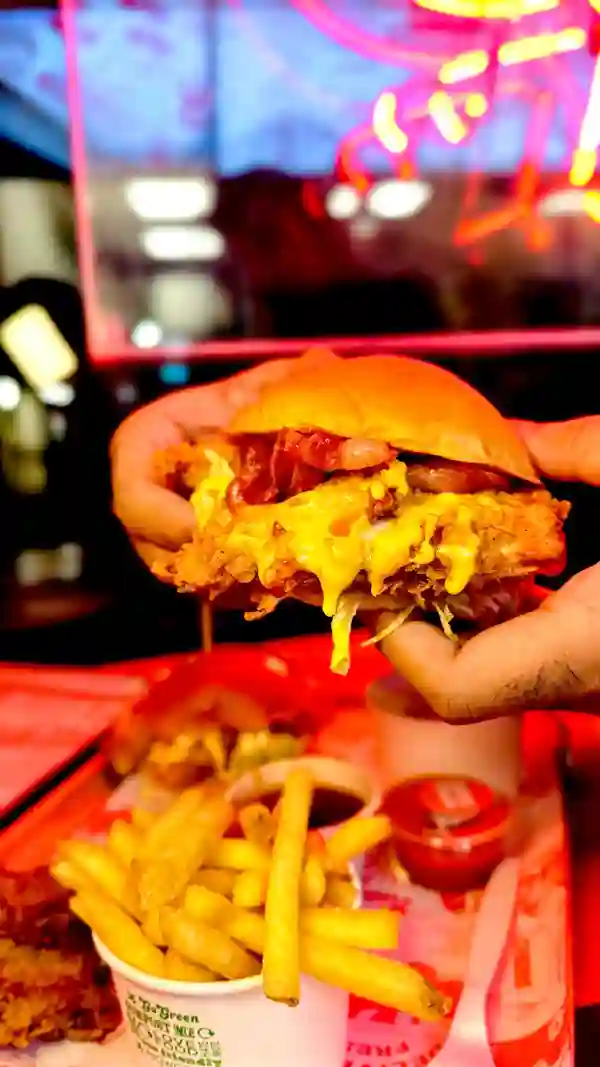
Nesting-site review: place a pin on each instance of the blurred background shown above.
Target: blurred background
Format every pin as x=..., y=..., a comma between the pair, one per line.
x=188, y=185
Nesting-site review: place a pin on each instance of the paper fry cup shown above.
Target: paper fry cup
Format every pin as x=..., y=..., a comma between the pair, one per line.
x=227, y=1024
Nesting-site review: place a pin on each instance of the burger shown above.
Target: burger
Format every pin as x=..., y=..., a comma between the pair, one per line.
x=367, y=483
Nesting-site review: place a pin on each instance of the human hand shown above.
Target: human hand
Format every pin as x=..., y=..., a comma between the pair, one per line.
x=548, y=658
x=157, y=520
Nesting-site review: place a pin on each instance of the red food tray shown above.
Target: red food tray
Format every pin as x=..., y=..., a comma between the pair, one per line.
x=529, y=1017
x=51, y=717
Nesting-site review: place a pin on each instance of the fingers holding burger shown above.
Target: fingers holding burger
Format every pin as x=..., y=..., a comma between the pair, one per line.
x=368, y=483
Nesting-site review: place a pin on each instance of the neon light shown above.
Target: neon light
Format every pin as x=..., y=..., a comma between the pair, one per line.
x=449, y=124
x=539, y=130
x=385, y=126
x=488, y=9
x=466, y=65
x=541, y=46
x=471, y=230
x=585, y=155
x=520, y=211
x=398, y=115
x=525, y=50
x=476, y=105
x=527, y=182
x=346, y=167
x=591, y=205
x=343, y=31
x=539, y=234
x=312, y=201
x=583, y=166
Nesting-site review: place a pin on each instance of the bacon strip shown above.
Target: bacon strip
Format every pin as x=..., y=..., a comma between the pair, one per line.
x=330, y=453
x=275, y=467
x=447, y=476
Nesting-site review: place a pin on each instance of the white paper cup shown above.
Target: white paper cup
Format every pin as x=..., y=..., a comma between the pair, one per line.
x=413, y=747
x=326, y=771
x=227, y=1024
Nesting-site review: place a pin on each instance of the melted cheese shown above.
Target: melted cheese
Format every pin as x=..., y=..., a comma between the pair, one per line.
x=208, y=499
x=327, y=531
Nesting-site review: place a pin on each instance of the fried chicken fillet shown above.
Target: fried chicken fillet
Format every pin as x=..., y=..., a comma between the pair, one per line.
x=53, y=986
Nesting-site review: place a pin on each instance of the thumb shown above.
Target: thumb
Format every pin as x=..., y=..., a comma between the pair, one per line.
x=547, y=658
x=567, y=451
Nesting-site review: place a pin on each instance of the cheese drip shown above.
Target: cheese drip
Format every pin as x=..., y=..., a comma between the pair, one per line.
x=327, y=532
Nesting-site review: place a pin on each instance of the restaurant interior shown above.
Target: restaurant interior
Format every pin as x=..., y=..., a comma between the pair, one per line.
x=189, y=187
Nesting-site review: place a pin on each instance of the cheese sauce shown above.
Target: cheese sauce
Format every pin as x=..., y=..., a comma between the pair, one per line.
x=301, y=529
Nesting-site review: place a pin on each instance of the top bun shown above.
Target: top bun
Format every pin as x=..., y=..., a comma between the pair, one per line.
x=412, y=405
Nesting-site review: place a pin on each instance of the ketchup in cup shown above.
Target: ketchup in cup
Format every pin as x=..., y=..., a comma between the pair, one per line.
x=449, y=833
x=448, y=790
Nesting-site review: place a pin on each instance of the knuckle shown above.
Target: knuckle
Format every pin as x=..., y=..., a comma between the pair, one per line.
x=454, y=706
x=583, y=442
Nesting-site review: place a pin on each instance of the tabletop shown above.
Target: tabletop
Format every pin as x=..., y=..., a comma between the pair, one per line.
x=582, y=791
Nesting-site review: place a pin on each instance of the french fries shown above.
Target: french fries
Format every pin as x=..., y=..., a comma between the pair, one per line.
x=153, y=928
x=219, y=880
x=124, y=841
x=88, y=861
x=202, y=903
x=313, y=884
x=362, y=929
x=281, y=961
x=175, y=897
x=209, y=947
x=248, y=928
x=234, y=853
x=354, y=837
x=339, y=892
x=216, y=750
x=244, y=926
x=141, y=819
x=258, y=824
x=214, y=732
x=373, y=977
x=250, y=889
x=163, y=877
x=171, y=822
x=179, y=969
x=121, y=935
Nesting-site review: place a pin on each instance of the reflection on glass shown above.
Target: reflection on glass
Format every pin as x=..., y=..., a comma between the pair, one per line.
x=146, y=334
x=200, y=244
x=332, y=169
x=174, y=374
x=169, y=199
x=37, y=348
x=10, y=394
x=398, y=199
x=57, y=394
x=35, y=566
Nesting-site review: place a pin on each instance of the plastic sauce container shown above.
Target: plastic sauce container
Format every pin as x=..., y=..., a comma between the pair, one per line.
x=342, y=791
x=449, y=790
x=450, y=833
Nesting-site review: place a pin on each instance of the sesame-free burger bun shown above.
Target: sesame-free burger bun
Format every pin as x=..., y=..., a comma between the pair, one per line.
x=412, y=405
